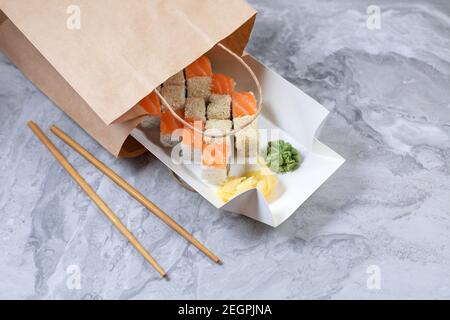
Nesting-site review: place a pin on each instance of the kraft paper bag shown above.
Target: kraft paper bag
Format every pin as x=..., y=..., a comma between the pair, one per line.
x=121, y=52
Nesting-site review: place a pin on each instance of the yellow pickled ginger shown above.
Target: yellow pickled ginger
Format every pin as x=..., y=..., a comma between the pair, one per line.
x=263, y=179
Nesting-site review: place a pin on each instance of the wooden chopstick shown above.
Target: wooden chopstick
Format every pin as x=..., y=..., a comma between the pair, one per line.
x=133, y=192
x=97, y=200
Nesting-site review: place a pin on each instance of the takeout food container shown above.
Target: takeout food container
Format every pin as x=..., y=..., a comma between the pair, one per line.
x=297, y=118
x=124, y=50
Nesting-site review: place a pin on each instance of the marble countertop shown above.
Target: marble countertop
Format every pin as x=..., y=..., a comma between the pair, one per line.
x=378, y=228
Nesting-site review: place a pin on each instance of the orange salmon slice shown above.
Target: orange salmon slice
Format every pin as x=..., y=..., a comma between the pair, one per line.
x=191, y=137
x=199, y=68
x=151, y=104
x=222, y=84
x=243, y=104
x=168, y=123
x=215, y=155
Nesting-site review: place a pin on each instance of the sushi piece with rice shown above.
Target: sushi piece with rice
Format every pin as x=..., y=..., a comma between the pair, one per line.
x=195, y=109
x=243, y=104
x=192, y=142
x=199, y=78
x=244, y=111
x=215, y=129
x=215, y=163
x=175, y=95
x=176, y=79
x=219, y=107
x=246, y=140
x=152, y=106
x=195, y=115
x=168, y=126
x=222, y=84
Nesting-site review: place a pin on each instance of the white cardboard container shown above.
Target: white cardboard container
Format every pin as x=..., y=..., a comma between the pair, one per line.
x=298, y=118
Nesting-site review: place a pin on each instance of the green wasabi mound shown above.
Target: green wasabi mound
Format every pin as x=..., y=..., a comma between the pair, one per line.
x=282, y=157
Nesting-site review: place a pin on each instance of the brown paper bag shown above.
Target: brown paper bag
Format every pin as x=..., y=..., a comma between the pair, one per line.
x=122, y=51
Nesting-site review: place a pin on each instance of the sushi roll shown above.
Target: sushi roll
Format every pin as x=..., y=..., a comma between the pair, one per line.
x=222, y=85
x=199, y=87
x=195, y=109
x=199, y=78
x=217, y=128
x=175, y=96
x=215, y=163
x=243, y=104
x=152, y=106
x=219, y=107
x=168, y=125
x=244, y=111
x=199, y=68
x=176, y=79
x=191, y=143
x=245, y=122
x=246, y=142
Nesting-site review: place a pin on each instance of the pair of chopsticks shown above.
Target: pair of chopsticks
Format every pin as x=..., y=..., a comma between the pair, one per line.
x=123, y=184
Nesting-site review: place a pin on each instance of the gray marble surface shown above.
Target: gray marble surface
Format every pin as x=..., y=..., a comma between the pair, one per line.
x=387, y=209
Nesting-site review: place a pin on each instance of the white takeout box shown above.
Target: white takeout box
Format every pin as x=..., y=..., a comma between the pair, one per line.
x=285, y=107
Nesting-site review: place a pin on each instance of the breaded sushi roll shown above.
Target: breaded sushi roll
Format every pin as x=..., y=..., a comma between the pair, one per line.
x=152, y=106
x=199, y=87
x=219, y=107
x=175, y=96
x=244, y=110
x=246, y=140
x=168, y=125
x=195, y=109
x=176, y=79
x=199, y=78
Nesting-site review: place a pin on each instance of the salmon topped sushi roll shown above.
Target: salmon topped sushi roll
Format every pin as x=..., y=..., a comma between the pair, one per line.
x=199, y=68
x=215, y=155
x=192, y=142
x=199, y=78
x=168, y=125
x=243, y=104
x=222, y=84
x=152, y=106
x=215, y=162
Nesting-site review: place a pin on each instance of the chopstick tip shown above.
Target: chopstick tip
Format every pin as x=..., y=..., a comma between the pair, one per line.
x=53, y=128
